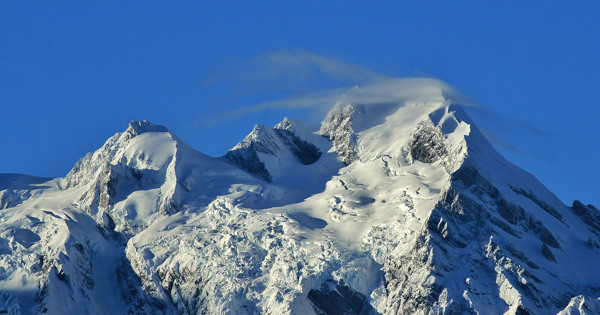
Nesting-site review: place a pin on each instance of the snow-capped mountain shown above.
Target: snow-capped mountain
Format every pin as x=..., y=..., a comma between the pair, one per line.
x=393, y=207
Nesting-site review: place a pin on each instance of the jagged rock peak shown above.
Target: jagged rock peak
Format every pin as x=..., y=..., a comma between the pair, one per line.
x=337, y=126
x=282, y=143
x=288, y=124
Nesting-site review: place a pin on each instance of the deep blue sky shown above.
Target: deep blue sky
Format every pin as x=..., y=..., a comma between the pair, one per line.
x=73, y=73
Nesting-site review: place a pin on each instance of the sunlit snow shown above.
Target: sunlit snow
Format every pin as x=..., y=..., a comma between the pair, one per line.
x=395, y=204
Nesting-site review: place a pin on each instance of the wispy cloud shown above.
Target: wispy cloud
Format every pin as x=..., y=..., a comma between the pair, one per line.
x=381, y=91
x=314, y=84
x=311, y=100
x=307, y=80
x=300, y=68
x=306, y=64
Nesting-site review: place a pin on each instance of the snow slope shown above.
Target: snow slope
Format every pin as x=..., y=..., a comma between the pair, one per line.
x=395, y=204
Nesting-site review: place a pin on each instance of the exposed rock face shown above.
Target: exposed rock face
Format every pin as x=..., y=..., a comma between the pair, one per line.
x=306, y=153
x=582, y=305
x=428, y=144
x=248, y=160
x=589, y=214
x=460, y=220
x=136, y=295
x=337, y=126
x=9, y=304
x=337, y=298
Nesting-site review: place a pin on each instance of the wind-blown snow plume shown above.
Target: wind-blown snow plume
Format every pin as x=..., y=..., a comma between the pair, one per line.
x=303, y=76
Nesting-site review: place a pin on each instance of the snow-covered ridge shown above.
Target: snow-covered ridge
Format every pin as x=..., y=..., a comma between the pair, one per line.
x=145, y=172
x=281, y=143
x=395, y=204
x=14, y=188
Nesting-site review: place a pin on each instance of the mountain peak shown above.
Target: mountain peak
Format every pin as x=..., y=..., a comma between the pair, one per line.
x=424, y=217
x=121, y=147
x=138, y=127
x=266, y=150
x=286, y=124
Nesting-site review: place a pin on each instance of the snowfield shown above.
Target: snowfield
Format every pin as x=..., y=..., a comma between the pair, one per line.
x=395, y=204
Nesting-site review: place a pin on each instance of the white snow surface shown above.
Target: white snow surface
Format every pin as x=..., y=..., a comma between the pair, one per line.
x=425, y=217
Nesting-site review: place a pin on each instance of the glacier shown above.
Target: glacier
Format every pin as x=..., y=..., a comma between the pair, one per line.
x=395, y=204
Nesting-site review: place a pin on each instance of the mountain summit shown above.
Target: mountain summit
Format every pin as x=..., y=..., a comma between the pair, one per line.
x=395, y=204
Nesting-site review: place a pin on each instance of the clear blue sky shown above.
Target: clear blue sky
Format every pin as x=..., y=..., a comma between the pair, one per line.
x=73, y=73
